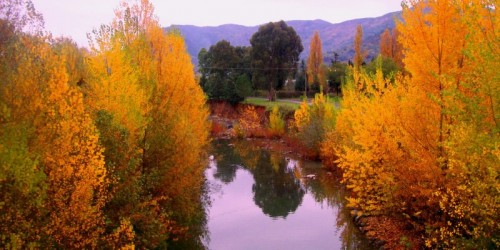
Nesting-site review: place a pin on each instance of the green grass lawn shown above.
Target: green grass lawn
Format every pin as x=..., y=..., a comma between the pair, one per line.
x=284, y=105
x=287, y=105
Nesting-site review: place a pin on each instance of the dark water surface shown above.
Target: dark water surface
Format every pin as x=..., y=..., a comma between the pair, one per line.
x=266, y=200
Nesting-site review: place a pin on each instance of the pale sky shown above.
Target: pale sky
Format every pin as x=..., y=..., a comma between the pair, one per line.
x=75, y=18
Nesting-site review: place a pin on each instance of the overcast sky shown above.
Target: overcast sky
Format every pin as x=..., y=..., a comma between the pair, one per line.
x=75, y=18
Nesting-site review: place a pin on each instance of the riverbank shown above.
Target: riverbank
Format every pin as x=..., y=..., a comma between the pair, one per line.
x=385, y=232
x=225, y=119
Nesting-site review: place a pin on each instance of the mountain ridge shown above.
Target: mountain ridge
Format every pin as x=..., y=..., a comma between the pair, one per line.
x=336, y=37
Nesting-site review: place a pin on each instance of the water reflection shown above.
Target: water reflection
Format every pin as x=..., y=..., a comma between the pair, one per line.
x=264, y=200
x=276, y=190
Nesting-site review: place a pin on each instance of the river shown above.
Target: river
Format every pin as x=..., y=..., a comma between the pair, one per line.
x=261, y=199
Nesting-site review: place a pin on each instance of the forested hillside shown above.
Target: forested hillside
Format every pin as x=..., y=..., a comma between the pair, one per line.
x=336, y=38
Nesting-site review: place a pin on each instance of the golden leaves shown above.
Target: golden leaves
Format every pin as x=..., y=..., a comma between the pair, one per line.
x=359, y=52
x=314, y=121
x=315, y=68
x=249, y=120
x=302, y=116
x=74, y=166
x=276, y=122
x=424, y=147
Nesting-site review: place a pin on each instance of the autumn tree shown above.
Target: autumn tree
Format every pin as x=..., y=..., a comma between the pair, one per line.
x=314, y=121
x=74, y=59
x=386, y=43
x=315, y=67
x=117, y=89
x=177, y=133
x=74, y=166
x=23, y=186
x=139, y=78
x=22, y=179
x=80, y=163
x=390, y=46
x=459, y=80
x=433, y=55
x=276, y=122
x=58, y=143
x=359, y=52
x=275, y=52
x=423, y=147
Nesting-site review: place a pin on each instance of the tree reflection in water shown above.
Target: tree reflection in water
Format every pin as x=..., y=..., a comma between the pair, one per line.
x=276, y=190
x=281, y=184
x=328, y=188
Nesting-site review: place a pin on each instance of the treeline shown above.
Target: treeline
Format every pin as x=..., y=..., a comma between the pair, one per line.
x=420, y=145
x=99, y=148
x=272, y=63
x=232, y=73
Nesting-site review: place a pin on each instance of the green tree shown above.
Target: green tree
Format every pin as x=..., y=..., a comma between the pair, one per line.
x=225, y=72
x=336, y=75
x=389, y=67
x=300, y=78
x=275, y=52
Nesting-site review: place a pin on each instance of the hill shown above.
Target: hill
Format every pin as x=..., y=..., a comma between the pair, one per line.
x=337, y=37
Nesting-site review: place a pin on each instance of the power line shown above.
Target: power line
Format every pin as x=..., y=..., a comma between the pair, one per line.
x=220, y=68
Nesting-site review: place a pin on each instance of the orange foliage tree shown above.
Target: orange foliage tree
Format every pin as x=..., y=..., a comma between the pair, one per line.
x=178, y=130
x=74, y=165
x=425, y=148
x=315, y=67
x=154, y=135
x=63, y=168
x=390, y=46
x=359, y=52
x=99, y=148
x=386, y=43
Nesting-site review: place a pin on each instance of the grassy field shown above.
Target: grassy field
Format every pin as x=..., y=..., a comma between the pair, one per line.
x=288, y=105
x=283, y=104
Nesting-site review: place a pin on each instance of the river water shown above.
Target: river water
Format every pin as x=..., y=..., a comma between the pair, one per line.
x=266, y=200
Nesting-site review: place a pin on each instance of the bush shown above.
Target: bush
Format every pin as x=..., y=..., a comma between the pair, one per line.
x=276, y=122
x=249, y=120
x=313, y=121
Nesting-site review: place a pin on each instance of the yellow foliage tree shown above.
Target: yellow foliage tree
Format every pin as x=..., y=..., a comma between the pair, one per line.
x=249, y=120
x=137, y=180
x=74, y=166
x=276, y=122
x=315, y=69
x=23, y=187
x=425, y=148
x=178, y=130
x=74, y=59
x=314, y=121
x=155, y=136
